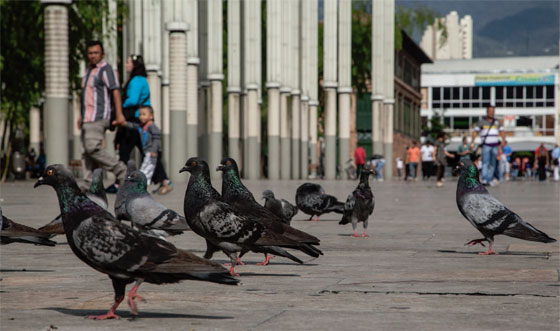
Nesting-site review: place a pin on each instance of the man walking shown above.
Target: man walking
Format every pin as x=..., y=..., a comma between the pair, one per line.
x=100, y=93
x=491, y=131
x=360, y=159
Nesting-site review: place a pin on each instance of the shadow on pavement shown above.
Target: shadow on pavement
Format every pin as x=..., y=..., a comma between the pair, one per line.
x=126, y=314
x=530, y=254
x=26, y=270
x=252, y=274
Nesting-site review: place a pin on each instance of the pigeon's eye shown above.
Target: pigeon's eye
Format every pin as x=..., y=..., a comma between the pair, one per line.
x=193, y=163
x=133, y=175
x=49, y=172
x=228, y=162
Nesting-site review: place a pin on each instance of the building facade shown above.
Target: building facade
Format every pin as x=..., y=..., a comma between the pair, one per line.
x=459, y=41
x=523, y=90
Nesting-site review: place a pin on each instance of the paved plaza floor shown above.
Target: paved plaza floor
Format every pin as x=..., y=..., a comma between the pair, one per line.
x=413, y=273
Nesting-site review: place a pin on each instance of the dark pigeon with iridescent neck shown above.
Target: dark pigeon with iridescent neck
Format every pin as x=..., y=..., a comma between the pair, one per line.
x=359, y=205
x=312, y=200
x=145, y=212
x=487, y=214
x=237, y=195
x=119, y=251
x=225, y=227
x=279, y=207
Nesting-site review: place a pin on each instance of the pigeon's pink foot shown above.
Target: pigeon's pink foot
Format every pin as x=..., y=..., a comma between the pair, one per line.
x=365, y=235
x=316, y=219
x=131, y=296
x=232, y=272
x=490, y=251
x=476, y=241
x=356, y=235
x=265, y=262
x=111, y=313
x=237, y=262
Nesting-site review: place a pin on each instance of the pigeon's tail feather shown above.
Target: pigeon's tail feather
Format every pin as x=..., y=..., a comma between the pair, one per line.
x=526, y=231
x=281, y=252
x=220, y=278
x=53, y=228
x=337, y=207
x=28, y=238
x=310, y=250
x=344, y=220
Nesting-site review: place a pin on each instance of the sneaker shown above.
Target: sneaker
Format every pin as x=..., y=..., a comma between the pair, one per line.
x=439, y=184
x=484, y=183
x=166, y=188
x=494, y=182
x=112, y=189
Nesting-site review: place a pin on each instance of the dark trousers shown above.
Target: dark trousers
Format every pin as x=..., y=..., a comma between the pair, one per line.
x=440, y=170
x=159, y=173
x=542, y=168
x=427, y=169
x=359, y=168
x=127, y=139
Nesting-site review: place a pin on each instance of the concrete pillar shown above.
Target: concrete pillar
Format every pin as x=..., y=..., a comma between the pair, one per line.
x=330, y=84
x=285, y=163
x=154, y=81
x=273, y=72
x=152, y=53
x=56, y=81
x=234, y=79
x=253, y=117
x=313, y=137
x=181, y=148
x=204, y=83
x=296, y=87
x=344, y=82
x=215, y=75
x=35, y=128
x=377, y=76
x=166, y=15
x=296, y=141
x=313, y=76
x=389, y=74
x=192, y=106
x=304, y=145
x=165, y=123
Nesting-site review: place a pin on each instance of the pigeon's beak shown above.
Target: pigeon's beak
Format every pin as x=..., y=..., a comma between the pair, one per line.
x=220, y=167
x=39, y=182
x=183, y=169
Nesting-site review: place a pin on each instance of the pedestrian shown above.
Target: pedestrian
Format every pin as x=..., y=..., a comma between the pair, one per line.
x=413, y=156
x=515, y=166
x=406, y=171
x=150, y=136
x=555, y=163
x=464, y=150
x=541, y=161
x=377, y=161
x=440, y=154
x=100, y=99
x=490, y=130
x=399, y=166
x=507, y=151
x=360, y=159
x=427, y=152
x=136, y=93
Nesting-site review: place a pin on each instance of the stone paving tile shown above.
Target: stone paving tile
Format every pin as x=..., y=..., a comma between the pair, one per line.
x=414, y=273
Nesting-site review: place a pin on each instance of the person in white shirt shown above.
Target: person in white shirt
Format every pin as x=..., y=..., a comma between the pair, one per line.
x=426, y=153
x=400, y=165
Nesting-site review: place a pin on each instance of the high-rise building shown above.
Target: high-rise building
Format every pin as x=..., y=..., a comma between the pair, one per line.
x=457, y=45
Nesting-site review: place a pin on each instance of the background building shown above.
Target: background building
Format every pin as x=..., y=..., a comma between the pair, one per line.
x=523, y=90
x=459, y=41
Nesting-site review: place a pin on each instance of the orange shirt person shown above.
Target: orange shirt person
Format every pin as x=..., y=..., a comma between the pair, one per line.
x=413, y=157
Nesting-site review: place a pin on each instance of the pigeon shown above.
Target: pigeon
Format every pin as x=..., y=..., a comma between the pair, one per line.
x=487, y=214
x=281, y=208
x=237, y=195
x=120, y=251
x=95, y=193
x=120, y=208
x=221, y=224
x=12, y=232
x=359, y=205
x=145, y=212
x=312, y=200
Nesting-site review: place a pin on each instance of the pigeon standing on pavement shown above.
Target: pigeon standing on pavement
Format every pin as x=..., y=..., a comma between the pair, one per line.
x=221, y=224
x=145, y=212
x=120, y=207
x=12, y=232
x=281, y=208
x=359, y=205
x=95, y=193
x=237, y=195
x=487, y=214
x=312, y=200
x=119, y=251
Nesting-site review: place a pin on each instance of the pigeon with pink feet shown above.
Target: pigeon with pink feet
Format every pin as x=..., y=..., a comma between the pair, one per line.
x=359, y=205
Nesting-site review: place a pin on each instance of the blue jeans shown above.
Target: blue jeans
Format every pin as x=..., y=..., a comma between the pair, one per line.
x=489, y=155
x=378, y=166
x=412, y=166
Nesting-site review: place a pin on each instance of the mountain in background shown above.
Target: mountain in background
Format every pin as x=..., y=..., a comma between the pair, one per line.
x=504, y=28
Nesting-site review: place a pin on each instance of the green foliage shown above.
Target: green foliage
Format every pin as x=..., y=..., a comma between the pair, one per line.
x=435, y=126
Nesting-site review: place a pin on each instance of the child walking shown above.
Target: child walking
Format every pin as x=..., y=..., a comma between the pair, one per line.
x=151, y=144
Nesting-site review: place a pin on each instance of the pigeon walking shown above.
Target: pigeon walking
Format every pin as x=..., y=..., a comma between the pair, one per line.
x=237, y=195
x=120, y=207
x=487, y=214
x=12, y=232
x=119, y=251
x=95, y=193
x=312, y=200
x=359, y=205
x=281, y=208
x=145, y=212
x=221, y=224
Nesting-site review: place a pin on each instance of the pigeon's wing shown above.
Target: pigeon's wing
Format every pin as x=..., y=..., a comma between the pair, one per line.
x=147, y=212
x=54, y=227
x=348, y=209
x=331, y=204
x=484, y=212
x=14, y=232
x=98, y=199
x=288, y=210
x=518, y=228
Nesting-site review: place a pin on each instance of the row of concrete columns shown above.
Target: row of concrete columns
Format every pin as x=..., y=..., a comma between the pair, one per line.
x=181, y=42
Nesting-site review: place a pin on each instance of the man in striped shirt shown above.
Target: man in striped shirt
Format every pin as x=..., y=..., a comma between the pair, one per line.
x=100, y=93
x=492, y=136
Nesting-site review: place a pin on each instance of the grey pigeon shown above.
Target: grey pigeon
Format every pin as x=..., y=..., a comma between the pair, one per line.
x=120, y=208
x=281, y=208
x=12, y=232
x=95, y=193
x=487, y=214
x=312, y=200
x=118, y=250
x=221, y=224
x=359, y=205
x=145, y=212
x=238, y=196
